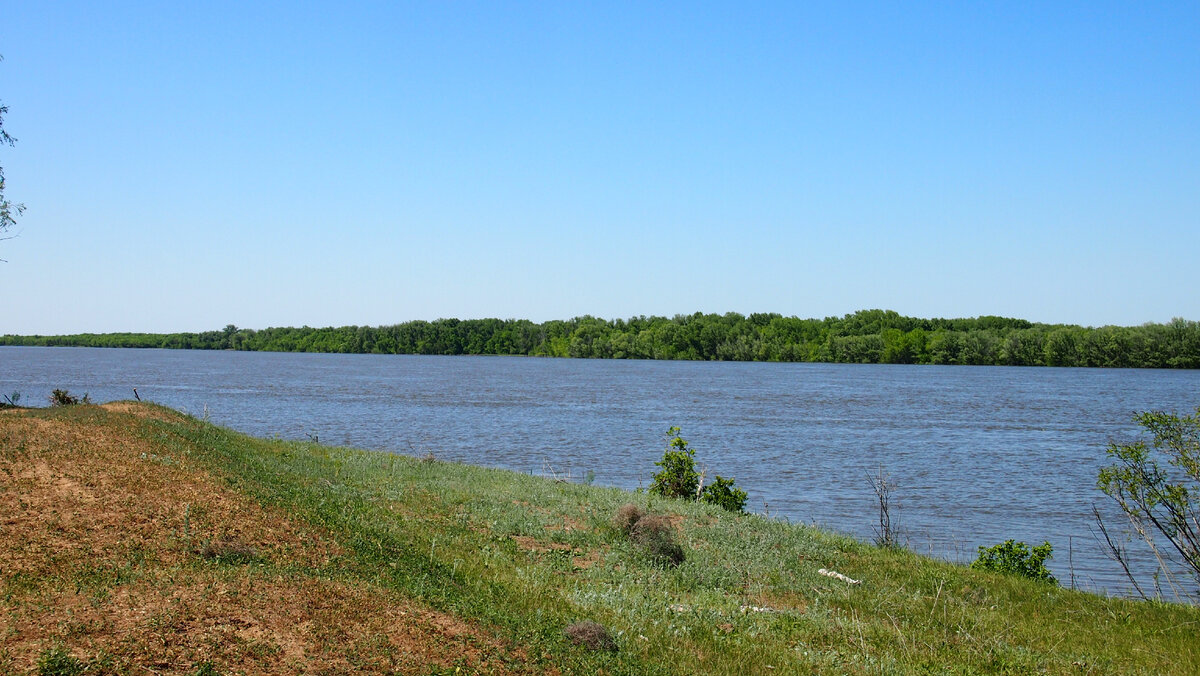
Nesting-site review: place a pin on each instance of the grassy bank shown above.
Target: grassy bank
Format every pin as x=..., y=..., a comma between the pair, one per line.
x=140, y=540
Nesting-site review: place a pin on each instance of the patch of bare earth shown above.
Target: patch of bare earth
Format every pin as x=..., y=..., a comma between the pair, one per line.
x=104, y=543
x=142, y=411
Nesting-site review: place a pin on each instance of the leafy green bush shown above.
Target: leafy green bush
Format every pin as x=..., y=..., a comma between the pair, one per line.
x=723, y=493
x=678, y=478
x=1015, y=558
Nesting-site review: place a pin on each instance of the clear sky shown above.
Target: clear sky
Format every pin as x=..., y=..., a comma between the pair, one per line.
x=191, y=165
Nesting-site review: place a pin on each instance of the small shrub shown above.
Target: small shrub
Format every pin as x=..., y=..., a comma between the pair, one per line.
x=678, y=478
x=65, y=398
x=656, y=536
x=724, y=494
x=1015, y=558
x=626, y=517
x=590, y=635
x=57, y=661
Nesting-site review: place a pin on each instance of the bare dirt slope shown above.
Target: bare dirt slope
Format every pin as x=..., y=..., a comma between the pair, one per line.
x=121, y=555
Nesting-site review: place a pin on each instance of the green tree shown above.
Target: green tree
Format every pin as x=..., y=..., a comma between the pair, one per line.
x=7, y=209
x=945, y=347
x=979, y=348
x=1023, y=347
x=1183, y=344
x=1062, y=348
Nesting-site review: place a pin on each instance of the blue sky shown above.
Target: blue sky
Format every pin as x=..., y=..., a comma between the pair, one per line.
x=190, y=165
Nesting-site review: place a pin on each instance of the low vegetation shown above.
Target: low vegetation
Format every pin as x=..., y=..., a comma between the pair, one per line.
x=1016, y=558
x=679, y=478
x=65, y=398
x=140, y=540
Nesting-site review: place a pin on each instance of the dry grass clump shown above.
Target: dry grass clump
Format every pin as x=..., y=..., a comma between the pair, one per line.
x=657, y=537
x=653, y=533
x=590, y=635
x=229, y=550
x=627, y=515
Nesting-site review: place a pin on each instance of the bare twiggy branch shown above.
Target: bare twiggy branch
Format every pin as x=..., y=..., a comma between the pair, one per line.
x=887, y=534
x=1115, y=551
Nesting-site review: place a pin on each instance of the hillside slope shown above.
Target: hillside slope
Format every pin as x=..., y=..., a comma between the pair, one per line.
x=126, y=554
x=136, y=539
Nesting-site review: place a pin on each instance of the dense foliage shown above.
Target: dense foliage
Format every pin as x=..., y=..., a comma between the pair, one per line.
x=1016, y=558
x=65, y=398
x=867, y=336
x=678, y=478
x=722, y=493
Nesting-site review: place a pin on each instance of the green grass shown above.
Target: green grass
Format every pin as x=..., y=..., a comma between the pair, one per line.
x=507, y=550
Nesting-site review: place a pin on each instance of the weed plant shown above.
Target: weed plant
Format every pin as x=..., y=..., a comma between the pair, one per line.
x=57, y=661
x=625, y=518
x=656, y=536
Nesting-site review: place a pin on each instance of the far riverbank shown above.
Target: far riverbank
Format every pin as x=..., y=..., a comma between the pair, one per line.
x=864, y=337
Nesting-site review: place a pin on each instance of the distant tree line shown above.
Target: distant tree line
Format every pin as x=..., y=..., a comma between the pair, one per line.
x=865, y=337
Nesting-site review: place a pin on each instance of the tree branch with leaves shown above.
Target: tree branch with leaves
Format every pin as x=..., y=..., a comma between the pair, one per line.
x=8, y=210
x=1156, y=482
